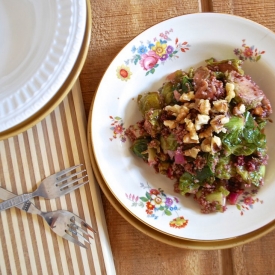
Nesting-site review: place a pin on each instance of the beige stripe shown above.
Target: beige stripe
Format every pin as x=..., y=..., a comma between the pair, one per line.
x=7, y=235
x=7, y=221
x=35, y=229
x=25, y=178
x=66, y=200
x=78, y=112
x=49, y=204
x=92, y=188
x=62, y=153
x=4, y=237
x=3, y=268
x=82, y=196
x=25, y=231
x=48, y=132
x=39, y=225
x=60, y=141
x=71, y=146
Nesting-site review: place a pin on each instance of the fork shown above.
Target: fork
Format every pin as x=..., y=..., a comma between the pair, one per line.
x=62, y=222
x=51, y=187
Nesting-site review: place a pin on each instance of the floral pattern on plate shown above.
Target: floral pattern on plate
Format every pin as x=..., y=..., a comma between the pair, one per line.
x=149, y=55
x=247, y=201
x=157, y=203
x=117, y=128
x=248, y=52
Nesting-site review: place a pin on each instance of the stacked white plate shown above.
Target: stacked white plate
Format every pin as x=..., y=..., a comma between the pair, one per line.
x=40, y=43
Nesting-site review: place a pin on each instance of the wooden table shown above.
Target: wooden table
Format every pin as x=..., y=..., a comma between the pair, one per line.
x=114, y=24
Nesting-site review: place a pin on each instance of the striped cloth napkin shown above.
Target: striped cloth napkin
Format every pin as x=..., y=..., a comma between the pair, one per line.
x=27, y=244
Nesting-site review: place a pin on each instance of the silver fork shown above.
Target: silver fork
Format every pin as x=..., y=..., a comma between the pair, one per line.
x=64, y=223
x=52, y=187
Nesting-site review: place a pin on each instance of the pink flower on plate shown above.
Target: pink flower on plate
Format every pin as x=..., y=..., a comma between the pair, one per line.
x=149, y=60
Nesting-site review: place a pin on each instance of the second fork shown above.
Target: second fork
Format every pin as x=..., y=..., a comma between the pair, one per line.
x=52, y=187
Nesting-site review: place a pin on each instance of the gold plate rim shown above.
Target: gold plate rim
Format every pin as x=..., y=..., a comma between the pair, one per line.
x=156, y=234
x=63, y=91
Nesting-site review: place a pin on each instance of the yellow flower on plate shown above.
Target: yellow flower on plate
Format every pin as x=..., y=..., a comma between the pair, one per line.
x=123, y=72
x=159, y=49
x=179, y=222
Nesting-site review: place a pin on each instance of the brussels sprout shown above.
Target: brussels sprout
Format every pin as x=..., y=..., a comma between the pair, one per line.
x=225, y=168
x=167, y=92
x=226, y=65
x=151, y=100
x=187, y=85
x=168, y=143
x=254, y=177
x=211, y=161
x=235, y=123
x=246, y=91
x=216, y=198
x=163, y=167
x=243, y=138
x=205, y=175
x=152, y=156
x=177, y=76
x=140, y=146
x=187, y=184
x=152, y=124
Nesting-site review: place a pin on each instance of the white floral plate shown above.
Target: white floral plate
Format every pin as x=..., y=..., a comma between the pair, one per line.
x=181, y=43
x=40, y=43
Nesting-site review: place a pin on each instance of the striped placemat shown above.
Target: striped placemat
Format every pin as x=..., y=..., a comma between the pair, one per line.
x=27, y=244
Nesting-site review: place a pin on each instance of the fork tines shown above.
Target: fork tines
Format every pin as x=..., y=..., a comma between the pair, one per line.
x=75, y=230
x=67, y=178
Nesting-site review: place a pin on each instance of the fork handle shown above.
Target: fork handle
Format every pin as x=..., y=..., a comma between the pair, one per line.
x=15, y=201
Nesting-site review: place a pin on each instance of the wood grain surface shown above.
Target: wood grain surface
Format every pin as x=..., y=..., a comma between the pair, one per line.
x=114, y=24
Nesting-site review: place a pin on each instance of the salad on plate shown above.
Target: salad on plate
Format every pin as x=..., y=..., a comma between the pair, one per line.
x=204, y=129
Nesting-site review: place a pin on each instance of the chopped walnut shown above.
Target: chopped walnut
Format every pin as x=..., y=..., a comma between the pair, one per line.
x=187, y=96
x=206, y=144
x=187, y=139
x=203, y=106
x=180, y=112
x=170, y=123
x=206, y=133
x=239, y=109
x=216, y=144
x=193, y=152
x=190, y=127
x=190, y=105
x=201, y=120
x=229, y=87
x=175, y=109
x=218, y=122
x=184, y=111
x=220, y=106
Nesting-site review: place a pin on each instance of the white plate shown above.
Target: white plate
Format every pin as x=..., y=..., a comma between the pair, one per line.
x=192, y=39
x=40, y=42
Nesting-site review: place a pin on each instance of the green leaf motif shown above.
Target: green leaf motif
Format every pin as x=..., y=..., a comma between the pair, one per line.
x=258, y=58
x=167, y=212
x=143, y=199
x=117, y=118
x=148, y=196
x=238, y=206
x=141, y=204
